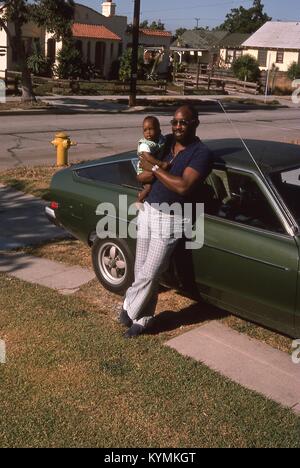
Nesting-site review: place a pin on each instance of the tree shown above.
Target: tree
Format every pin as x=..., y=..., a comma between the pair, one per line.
x=125, y=65
x=294, y=71
x=37, y=63
x=155, y=26
x=244, y=20
x=179, y=32
x=246, y=68
x=70, y=62
x=54, y=15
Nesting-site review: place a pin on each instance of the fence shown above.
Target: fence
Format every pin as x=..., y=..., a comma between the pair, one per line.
x=223, y=82
x=12, y=82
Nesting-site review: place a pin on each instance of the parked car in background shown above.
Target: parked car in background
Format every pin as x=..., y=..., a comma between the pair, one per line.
x=249, y=264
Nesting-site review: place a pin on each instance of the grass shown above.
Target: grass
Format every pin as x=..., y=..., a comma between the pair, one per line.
x=71, y=380
x=16, y=105
x=63, y=251
x=37, y=180
x=32, y=180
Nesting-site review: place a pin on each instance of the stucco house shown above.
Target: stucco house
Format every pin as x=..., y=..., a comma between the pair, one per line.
x=101, y=38
x=275, y=43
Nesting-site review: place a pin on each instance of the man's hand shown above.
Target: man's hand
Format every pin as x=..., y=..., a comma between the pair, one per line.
x=147, y=161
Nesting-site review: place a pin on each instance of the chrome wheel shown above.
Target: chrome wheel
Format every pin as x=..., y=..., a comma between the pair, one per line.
x=112, y=263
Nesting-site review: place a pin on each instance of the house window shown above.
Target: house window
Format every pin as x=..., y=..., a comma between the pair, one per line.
x=112, y=50
x=262, y=57
x=120, y=52
x=238, y=54
x=100, y=55
x=229, y=56
x=88, y=54
x=51, y=50
x=280, y=57
x=78, y=46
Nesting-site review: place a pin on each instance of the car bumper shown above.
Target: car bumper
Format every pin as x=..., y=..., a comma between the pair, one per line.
x=50, y=214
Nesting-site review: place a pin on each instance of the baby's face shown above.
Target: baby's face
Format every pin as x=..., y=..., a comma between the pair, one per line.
x=151, y=130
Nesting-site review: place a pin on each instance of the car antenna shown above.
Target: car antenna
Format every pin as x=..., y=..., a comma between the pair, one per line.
x=280, y=201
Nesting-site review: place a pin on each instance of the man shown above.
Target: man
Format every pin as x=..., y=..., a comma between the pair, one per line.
x=190, y=163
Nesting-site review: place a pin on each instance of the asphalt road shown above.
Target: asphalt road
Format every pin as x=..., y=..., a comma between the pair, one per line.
x=25, y=139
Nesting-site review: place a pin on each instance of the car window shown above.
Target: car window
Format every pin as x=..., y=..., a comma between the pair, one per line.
x=288, y=185
x=119, y=173
x=239, y=198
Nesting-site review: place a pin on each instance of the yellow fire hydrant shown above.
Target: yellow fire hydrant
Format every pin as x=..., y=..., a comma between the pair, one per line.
x=63, y=144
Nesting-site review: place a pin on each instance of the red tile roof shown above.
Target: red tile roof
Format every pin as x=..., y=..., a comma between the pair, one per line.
x=153, y=32
x=94, y=31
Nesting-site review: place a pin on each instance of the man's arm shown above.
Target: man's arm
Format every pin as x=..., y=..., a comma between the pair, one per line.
x=181, y=185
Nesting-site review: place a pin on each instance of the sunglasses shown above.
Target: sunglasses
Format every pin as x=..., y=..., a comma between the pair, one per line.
x=182, y=123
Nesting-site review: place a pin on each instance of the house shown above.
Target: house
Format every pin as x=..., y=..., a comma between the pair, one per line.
x=100, y=37
x=231, y=48
x=275, y=43
x=156, y=44
x=31, y=33
x=198, y=46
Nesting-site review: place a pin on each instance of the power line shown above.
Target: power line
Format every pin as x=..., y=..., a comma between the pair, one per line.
x=195, y=6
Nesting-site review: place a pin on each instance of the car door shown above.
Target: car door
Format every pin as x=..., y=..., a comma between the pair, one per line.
x=112, y=183
x=249, y=264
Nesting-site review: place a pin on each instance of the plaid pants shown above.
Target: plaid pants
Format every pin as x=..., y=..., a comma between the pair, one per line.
x=158, y=234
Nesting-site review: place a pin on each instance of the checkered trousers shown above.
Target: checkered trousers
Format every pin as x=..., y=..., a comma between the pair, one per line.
x=158, y=234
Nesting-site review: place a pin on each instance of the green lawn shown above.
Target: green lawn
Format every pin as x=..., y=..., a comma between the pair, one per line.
x=72, y=380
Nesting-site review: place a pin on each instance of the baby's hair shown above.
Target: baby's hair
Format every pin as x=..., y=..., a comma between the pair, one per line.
x=154, y=120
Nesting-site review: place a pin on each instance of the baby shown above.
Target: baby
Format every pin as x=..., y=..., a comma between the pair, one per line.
x=152, y=143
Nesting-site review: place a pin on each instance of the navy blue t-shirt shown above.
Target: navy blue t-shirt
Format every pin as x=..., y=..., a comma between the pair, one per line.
x=198, y=157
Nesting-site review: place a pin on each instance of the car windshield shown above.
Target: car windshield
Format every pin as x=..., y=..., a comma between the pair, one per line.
x=287, y=183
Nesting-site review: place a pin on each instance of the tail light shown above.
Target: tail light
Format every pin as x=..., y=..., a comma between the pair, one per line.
x=54, y=205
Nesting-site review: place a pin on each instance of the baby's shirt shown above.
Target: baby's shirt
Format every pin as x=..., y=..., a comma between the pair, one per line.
x=148, y=146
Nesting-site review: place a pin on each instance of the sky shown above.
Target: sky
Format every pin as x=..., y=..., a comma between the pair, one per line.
x=182, y=13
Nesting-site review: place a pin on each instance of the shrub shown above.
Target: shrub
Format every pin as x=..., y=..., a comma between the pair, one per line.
x=246, y=68
x=70, y=63
x=39, y=65
x=294, y=71
x=125, y=65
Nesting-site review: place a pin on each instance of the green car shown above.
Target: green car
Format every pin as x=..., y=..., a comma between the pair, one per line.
x=249, y=264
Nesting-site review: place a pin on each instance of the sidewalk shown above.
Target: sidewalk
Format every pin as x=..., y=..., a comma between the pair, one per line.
x=119, y=104
x=23, y=221
x=64, y=279
x=244, y=360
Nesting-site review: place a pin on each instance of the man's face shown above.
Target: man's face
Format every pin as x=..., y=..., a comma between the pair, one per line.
x=184, y=126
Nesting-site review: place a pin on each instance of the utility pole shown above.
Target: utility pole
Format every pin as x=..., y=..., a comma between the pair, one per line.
x=197, y=21
x=135, y=51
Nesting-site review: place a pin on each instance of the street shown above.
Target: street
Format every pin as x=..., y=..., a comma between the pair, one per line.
x=26, y=139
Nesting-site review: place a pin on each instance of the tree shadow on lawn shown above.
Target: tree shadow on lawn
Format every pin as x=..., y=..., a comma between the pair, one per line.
x=197, y=313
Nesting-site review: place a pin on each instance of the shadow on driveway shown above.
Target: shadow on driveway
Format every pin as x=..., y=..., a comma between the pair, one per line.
x=23, y=221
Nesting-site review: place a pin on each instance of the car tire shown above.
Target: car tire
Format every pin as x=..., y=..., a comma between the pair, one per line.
x=113, y=263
